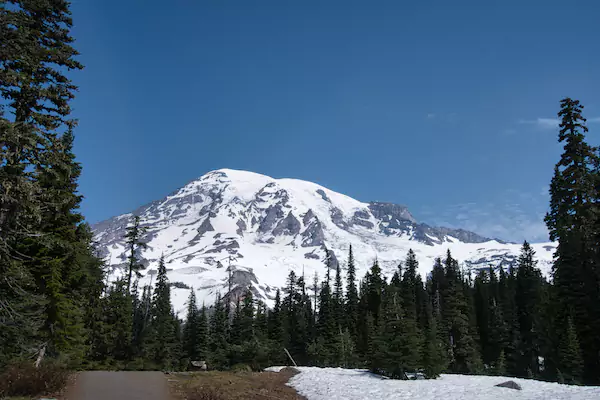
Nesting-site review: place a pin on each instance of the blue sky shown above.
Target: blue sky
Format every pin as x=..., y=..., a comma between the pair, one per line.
x=447, y=107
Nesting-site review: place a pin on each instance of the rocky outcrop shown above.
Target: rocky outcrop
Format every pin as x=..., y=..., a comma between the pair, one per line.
x=288, y=226
x=510, y=385
x=273, y=214
x=313, y=233
x=390, y=211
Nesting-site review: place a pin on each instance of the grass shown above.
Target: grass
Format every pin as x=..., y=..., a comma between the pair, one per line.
x=225, y=385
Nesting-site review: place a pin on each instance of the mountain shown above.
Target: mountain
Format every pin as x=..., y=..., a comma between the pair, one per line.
x=262, y=228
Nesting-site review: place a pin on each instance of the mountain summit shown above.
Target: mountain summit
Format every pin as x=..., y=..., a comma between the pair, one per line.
x=257, y=228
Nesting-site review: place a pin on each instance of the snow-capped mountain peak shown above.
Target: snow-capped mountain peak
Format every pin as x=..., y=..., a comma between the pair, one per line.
x=264, y=227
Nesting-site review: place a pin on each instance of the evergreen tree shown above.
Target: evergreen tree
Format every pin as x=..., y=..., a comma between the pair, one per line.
x=570, y=361
x=398, y=342
x=119, y=313
x=573, y=222
x=464, y=356
x=528, y=287
x=374, y=288
x=163, y=329
x=326, y=324
x=275, y=328
x=338, y=299
x=49, y=273
x=351, y=301
x=433, y=351
x=218, y=346
x=135, y=245
x=497, y=330
x=202, y=334
x=191, y=346
x=482, y=312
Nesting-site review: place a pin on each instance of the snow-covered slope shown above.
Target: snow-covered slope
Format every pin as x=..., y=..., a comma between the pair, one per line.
x=347, y=384
x=265, y=227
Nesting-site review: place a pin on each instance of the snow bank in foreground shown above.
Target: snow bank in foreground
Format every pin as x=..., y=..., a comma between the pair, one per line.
x=347, y=384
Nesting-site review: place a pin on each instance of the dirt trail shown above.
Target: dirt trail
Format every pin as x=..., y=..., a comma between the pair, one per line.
x=119, y=385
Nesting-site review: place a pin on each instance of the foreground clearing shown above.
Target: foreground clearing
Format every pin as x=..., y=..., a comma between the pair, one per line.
x=347, y=384
x=222, y=385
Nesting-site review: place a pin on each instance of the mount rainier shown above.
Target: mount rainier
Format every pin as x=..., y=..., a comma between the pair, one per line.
x=258, y=229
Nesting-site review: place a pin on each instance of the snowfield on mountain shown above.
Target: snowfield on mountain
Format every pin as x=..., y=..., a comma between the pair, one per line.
x=351, y=384
x=263, y=227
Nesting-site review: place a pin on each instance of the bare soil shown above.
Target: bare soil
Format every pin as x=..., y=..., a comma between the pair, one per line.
x=220, y=385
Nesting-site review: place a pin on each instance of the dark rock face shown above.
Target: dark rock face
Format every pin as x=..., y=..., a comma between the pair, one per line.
x=361, y=218
x=273, y=214
x=241, y=227
x=313, y=234
x=311, y=255
x=321, y=193
x=461, y=234
x=338, y=218
x=206, y=226
x=287, y=226
x=510, y=385
x=307, y=217
x=390, y=211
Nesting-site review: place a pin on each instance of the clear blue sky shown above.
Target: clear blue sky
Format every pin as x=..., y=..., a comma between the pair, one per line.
x=445, y=106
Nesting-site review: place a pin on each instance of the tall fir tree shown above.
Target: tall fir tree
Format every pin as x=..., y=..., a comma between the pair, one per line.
x=163, y=338
x=569, y=353
x=202, y=334
x=528, y=290
x=191, y=346
x=464, y=355
x=351, y=300
x=217, y=344
x=572, y=221
x=433, y=351
x=135, y=245
x=49, y=270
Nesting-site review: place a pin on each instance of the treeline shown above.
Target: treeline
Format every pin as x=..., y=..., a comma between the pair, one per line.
x=49, y=276
x=500, y=322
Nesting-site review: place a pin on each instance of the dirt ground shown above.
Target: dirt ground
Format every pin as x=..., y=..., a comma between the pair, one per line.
x=218, y=385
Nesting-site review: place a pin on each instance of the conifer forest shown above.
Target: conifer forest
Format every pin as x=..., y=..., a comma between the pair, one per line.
x=56, y=303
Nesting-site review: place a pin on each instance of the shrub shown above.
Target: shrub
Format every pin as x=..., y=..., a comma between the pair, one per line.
x=23, y=379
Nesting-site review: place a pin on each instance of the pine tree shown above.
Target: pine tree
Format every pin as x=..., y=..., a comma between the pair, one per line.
x=338, y=299
x=48, y=268
x=119, y=314
x=573, y=221
x=275, y=327
x=202, y=334
x=351, y=301
x=218, y=346
x=497, y=330
x=134, y=244
x=528, y=287
x=482, y=312
x=191, y=346
x=163, y=334
x=374, y=286
x=326, y=324
x=433, y=351
x=398, y=342
x=463, y=351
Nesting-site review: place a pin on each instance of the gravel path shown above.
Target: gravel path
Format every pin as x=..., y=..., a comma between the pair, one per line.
x=119, y=385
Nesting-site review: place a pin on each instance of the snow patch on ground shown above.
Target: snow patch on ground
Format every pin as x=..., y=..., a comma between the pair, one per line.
x=352, y=384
